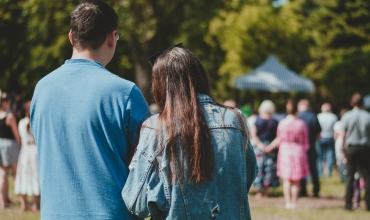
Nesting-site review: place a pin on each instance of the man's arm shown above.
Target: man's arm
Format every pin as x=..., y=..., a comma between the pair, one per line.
x=342, y=135
x=12, y=123
x=137, y=111
x=318, y=129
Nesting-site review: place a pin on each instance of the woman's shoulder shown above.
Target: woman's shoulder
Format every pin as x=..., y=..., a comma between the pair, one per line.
x=9, y=117
x=148, y=136
x=260, y=120
x=300, y=122
x=24, y=121
x=232, y=116
x=149, y=125
x=152, y=120
x=290, y=120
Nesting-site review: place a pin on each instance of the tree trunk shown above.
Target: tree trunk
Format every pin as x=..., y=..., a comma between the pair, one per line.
x=142, y=69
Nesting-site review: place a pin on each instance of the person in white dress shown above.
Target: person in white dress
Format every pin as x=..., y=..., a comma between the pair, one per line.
x=26, y=182
x=338, y=146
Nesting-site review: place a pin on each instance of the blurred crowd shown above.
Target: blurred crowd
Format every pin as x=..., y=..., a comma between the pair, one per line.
x=18, y=153
x=291, y=148
x=299, y=146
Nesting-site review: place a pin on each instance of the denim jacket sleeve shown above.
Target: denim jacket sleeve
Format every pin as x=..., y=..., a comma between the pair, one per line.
x=252, y=169
x=143, y=192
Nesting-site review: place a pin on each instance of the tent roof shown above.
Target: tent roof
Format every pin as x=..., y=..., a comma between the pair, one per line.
x=272, y=76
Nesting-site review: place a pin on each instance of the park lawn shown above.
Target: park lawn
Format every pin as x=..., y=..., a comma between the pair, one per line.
x=14, y=212
x=330, y=188
x=307, y=214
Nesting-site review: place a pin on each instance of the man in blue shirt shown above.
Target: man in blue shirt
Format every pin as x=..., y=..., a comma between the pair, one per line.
x=314, y=130
x=86, y=122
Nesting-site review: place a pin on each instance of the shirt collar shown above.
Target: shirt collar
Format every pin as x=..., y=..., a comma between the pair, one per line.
x=83, y=62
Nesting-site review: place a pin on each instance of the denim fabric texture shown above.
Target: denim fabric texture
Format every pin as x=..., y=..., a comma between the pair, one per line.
x=326, y=153
x=148, y=191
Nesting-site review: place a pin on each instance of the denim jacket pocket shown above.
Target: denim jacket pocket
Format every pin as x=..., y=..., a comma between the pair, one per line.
x=144, y=192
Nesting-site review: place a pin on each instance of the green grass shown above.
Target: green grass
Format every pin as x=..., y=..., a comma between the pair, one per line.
x=331, y=188
x=307, y=214
x=14, y=212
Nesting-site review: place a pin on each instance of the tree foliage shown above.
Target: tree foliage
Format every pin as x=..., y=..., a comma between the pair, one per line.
x=251, y=34
x=12, y=52
x=348, y=72
x=337, y=30
x=151, y=26
x=325, y=40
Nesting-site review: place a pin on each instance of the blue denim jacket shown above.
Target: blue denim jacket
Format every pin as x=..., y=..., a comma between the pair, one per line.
x=148, y=191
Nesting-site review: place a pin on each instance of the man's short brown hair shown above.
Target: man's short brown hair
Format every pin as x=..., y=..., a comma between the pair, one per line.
x=356, y=100
x=91, y=21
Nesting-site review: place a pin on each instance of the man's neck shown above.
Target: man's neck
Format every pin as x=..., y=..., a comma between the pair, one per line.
x=89, y=55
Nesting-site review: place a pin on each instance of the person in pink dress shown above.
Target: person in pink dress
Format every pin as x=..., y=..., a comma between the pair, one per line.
x=292, y=163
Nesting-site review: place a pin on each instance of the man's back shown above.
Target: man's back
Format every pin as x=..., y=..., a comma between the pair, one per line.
x=356, y=123
x=312, y=124
x=327, y=121
x=85, y=121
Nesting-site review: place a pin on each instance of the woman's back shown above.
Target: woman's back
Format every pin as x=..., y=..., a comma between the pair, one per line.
x=266, y=128
x=225, y=196
x=292, y=130
x=5, y=130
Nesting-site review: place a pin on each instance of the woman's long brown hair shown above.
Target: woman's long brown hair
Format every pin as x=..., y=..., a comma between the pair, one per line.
x=178, y=76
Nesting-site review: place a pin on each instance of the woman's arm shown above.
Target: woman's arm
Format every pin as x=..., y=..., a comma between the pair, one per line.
x=258, y=143
x=337, y=130
x=274, y=144
x=12, y=123
x=252, y=169
x=144, y=191
x=336, y=135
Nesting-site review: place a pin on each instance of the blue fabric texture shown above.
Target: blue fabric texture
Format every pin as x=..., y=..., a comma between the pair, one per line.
x=313, y=125
x=326, y=153
x=266, y=128
x=86, y=122
x=148, y=191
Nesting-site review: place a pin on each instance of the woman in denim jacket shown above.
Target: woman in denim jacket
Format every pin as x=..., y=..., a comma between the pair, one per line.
x=194, y=159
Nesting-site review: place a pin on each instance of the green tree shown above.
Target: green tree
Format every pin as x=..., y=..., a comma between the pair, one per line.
x=146, y=26
x=151, y=26
x=248, y=36
x=337, y=30
x=12, y=43
x=348, y=72
x=47, y=38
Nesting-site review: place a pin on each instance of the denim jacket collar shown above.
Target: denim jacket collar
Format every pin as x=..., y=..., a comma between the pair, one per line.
x=204, y=98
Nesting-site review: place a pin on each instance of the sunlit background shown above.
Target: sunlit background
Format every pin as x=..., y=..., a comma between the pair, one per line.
x=327, y=41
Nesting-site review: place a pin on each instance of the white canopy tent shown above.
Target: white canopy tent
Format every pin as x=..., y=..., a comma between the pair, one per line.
x=273, y=76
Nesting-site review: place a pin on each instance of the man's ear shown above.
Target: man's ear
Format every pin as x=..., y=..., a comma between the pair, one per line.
x=111, y=38
x=70, y=37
